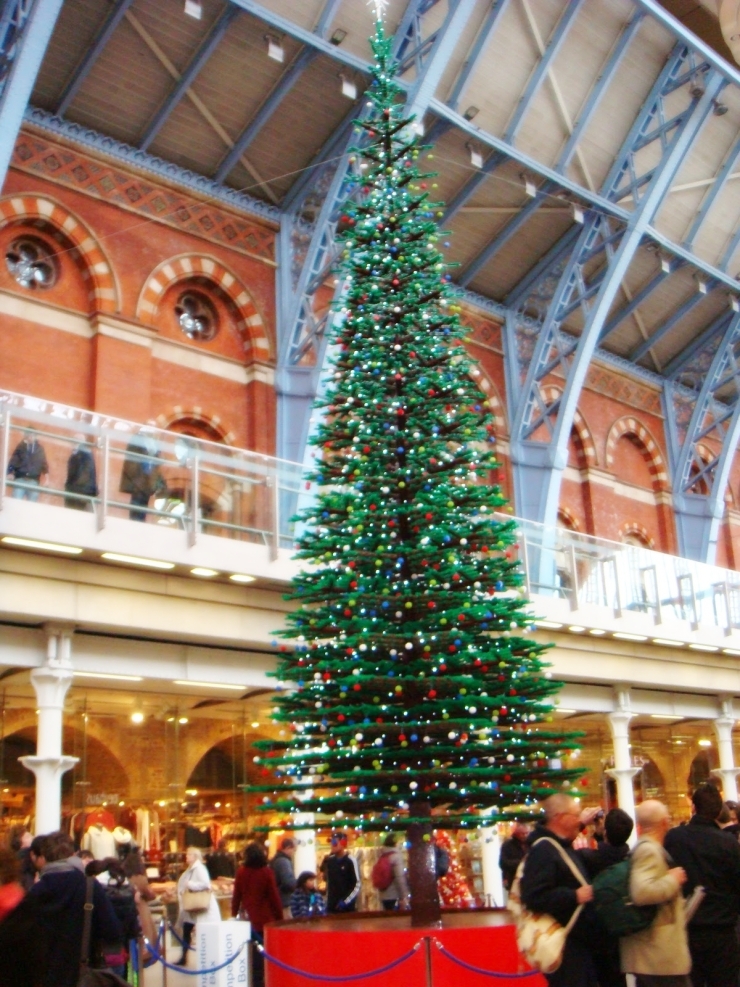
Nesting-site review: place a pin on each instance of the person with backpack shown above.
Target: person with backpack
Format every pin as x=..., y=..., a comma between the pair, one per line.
x=711, y=858
x=110, y=874
x=549, y=886
x=659, y=954
x=611, y=884
x=388, y=876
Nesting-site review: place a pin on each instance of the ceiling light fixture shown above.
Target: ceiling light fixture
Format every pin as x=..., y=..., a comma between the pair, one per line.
x=697, y=86
x=45, y=546
x=701, y=286
x=597, y=632
x=529, y=186
x=578, y=214
x=338, y=36
x=275, y=49
x=734, y=303
x=550, y=625
x=704, y=742
x=664, y=716
x=703, y=647
x=107, y=675
x=349, y=88
x=194, y=8
x=665, y=264
x=564, y=709
x=238, y=577
x=719, y=109
x=183, y=720
x=137, y=716
x=209, y=685
x=730, y=651
x=476, y=156
x=471, y=112
x=135, y=560
x=623, y=636
x=667, y=643
x=576, y=629
x=206, y=573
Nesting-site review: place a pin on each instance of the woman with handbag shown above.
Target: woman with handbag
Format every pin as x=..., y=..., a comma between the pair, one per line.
x=197, y=902
x=256, y=898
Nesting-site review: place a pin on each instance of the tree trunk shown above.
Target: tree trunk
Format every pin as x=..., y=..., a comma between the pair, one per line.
x=425, y=907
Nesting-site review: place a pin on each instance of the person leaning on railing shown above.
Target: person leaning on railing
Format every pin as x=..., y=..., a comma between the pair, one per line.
x=26, y=466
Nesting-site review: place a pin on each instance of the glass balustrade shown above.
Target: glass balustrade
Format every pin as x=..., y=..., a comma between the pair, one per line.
x=115, y=468
x=199, y=487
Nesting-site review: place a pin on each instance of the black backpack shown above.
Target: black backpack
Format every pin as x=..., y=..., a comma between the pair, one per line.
x=619, y=915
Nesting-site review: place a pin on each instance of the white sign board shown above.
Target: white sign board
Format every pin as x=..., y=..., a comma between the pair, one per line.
x=216, y=942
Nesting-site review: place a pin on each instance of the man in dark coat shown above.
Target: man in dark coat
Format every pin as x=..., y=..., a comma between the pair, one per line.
x=81, y=477
x=282, y=865
x=549, y=886
x=711, y=859
x=512, y=853
x=58, y=899
x=141, y=475
x=26, y=466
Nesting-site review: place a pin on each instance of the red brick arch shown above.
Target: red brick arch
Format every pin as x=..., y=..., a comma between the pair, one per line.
x=486, y=384
x=250, y=323
x=630, y=426
x=199, y=414
x=580, y=425
x=632, y=528
x=36, y=210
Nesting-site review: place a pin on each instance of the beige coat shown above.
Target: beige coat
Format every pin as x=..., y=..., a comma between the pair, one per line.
x=662, y=949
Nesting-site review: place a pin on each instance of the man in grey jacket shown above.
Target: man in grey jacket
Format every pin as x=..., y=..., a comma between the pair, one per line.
x=282, y=865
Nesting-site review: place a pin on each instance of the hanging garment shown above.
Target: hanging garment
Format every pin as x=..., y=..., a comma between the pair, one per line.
x=154, y=831
x=142, y=828
x=99, y=841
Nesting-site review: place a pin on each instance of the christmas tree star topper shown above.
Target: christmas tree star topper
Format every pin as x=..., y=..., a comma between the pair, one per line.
x=380, y=7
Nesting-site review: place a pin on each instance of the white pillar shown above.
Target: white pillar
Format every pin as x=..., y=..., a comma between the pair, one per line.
x=305, y=839
x=727, y=771
x=493, y=886
x=623, y=772
x=51, y=682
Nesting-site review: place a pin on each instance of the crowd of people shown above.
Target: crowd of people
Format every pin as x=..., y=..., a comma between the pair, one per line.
x=141, y=473
x=688, y=874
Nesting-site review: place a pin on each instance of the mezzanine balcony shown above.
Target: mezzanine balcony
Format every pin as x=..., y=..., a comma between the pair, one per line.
x=224, y=513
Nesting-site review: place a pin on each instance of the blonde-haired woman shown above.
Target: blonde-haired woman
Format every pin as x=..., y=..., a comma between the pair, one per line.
x=194, y=878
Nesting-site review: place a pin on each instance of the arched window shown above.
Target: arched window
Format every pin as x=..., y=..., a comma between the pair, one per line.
x=196, y=315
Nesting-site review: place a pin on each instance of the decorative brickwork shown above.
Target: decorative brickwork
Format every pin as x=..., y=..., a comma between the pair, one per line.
x=483, y=331
x=31, y=210
x=66, y=166
x=209, y=418
x=631, y=528
x=631, y=427
x=580, y=427
x=250, y=324
x=486, y=384
x=621, y=388
x=567, y=519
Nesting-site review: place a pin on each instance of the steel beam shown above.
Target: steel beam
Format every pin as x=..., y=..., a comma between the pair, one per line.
x=670, y=323
x=730, y=252
x=681, y=363
x=599, y=89
x=472, y=185
x=111, y=22
x=265, y=112
x=498, y=7
x=538, y=76
x=712, y=192
x=25, y=30
x=196, y=64
x=539, y=460
x=445, y=42
x=699, y=514
x=473, y=268
x=642, y=295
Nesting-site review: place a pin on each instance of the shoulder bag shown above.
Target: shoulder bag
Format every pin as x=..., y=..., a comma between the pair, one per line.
x=88, y=976
x=196, y=901
x=540, y=937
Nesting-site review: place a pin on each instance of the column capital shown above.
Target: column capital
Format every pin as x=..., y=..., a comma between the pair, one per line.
x=59, y=642
x=623, y=774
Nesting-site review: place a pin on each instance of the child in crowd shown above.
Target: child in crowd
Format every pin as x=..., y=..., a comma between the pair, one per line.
x=306, y=901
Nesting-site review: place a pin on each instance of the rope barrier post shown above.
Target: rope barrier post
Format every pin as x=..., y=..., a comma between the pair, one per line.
x=163, y=947
x=428, y=960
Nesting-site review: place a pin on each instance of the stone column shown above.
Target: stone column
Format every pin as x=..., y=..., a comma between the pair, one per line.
x=493, y=886
x=727, y=771
x=623, y=772
x=51, y=682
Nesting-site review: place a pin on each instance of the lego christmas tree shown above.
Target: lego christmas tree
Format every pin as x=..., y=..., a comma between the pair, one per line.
x=413, y=686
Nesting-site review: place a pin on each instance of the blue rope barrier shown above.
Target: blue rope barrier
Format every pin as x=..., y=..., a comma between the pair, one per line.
x=192, y=973
x=347, y=976
x=480, y=970
x=185, y=945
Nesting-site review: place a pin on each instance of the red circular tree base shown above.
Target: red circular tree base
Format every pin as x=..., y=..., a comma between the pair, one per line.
x=350, y=944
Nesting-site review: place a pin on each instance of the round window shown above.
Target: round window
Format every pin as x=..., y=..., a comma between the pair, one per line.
x=31, y=263
x=196, y=316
